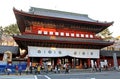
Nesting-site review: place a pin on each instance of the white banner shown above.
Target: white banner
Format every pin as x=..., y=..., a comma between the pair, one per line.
x=61, y=52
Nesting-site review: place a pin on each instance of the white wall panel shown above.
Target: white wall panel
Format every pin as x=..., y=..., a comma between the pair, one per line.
x=61, y=52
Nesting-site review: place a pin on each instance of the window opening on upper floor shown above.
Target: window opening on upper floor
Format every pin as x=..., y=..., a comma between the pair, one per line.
x=51, y=33
x=61, y=33
x=39, y=32
x=72, y=34
x=91, y=36
x=56, y=33
x=82, y=35
x=67, y=34
x=86, y=35
x=45, y=32
x=77, y=35
x=28, y=28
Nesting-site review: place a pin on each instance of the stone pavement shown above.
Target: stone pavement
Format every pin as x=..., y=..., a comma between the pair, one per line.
x=32, y=76
x=17, y=77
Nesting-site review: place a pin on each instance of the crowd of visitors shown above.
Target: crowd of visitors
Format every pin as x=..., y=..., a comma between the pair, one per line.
x=46, y=68
x=18, y=70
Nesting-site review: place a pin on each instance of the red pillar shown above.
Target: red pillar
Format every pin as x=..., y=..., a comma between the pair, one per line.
x=70, y=61
x=40, y=61
x=89, y=64
x=28, y=61
x=58, y=61
x=98, y=62
x=81, y=66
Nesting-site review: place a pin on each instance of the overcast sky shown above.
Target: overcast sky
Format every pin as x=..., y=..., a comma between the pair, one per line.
x=102, y=10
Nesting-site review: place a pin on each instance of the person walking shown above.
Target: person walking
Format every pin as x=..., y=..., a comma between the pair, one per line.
x=27, y=69
x=67, y=67
x=16, y=69
x=38, y=69
x=55, y=69
x=31, y=69
x=35, y=68
x=46, y=67
x=20, y=69
x=6, y=71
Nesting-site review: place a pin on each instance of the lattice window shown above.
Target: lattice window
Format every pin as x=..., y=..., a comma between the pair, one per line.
x=82, y=35
x=45, y=32
x=77, y=35
x=39, y=32
x=91, y=36
x=51, y=33
x=57, y=33
x=72, y=35
x=86, y=35
x=62, y=33
x=67, y=34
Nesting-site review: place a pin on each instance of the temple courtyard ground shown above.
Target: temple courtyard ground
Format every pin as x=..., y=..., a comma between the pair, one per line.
x=71, y=75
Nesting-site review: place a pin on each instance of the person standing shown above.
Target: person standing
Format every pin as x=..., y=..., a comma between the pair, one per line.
x=6, y=70
x=20, y=69
x=27, y=69
x=35, y=68
x=16, y=69
x=31, y=68
x=38, y=69
x=67, y=67
x=46, y=67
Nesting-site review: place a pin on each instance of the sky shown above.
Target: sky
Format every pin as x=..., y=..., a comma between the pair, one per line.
x=101, y=10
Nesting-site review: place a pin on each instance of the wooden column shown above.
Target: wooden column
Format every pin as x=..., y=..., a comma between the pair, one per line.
x=40, y=62
x=28, y=61
x=80, y=64
x=70, y=61
x=73, y=63
x=98, y=62
x=89, y=63
x=58, y=61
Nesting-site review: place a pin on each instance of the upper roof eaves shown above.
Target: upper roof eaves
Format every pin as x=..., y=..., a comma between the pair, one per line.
x=60, y=14
x=13, y=49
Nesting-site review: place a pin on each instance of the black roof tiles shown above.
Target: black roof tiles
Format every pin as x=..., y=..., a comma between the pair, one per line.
x=63, y=39
x=109, y=53
x=13, y=49
x=60, y=14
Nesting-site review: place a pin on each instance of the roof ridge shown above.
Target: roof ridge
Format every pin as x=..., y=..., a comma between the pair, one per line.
x=58, y=11
x=60, y=14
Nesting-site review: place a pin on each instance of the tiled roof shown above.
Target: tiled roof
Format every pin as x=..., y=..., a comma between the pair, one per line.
x=61, y=17
x=62, y=39
x=109, y=53
x=60, y=14
x=13, y=49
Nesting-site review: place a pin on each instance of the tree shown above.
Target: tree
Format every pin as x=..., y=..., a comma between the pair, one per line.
x=1, y=33
x=11, y=29
x=105, y=34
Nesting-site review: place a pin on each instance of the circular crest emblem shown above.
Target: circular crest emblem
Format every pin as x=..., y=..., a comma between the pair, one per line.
x=91, y=53
x=39, y=51
x=49, y=51
x=60, y=52
x=83, y=53
x=75, y=53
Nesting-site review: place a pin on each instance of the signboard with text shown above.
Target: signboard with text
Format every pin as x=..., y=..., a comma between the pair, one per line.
x=61, y=52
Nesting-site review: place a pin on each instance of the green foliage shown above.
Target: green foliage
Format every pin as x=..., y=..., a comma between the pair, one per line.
x=106, y=34
x=8, y=31
x=11, y=29
x=1, y=31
